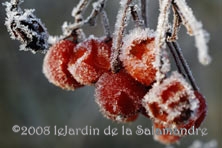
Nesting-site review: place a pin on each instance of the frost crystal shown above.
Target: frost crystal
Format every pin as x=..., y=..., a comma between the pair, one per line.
x=25, y=27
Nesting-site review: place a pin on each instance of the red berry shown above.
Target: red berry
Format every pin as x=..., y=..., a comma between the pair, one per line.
x=55, y=65
x=171, y=102
x=202, y=109
x=200, y=112
x=164, y=136
x=139, y=56
x=90, y=60
x=119, y=96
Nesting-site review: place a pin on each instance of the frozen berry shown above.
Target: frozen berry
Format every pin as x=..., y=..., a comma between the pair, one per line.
x=164, y=134
x=55, y=65
x=202, y=109
x=119, y=96
x=138, y=55
x=90, y=60
x=171, y=102
x=200, y=112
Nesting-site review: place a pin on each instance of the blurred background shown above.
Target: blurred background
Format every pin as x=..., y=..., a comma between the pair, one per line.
x=28, y=99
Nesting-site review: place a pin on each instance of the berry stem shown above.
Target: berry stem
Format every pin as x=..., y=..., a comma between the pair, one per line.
x=144, y=11
x=175, y=49
x=169, y=44
x=106, y=25
x=136, y=18
x=118, y=34
x=176, y=23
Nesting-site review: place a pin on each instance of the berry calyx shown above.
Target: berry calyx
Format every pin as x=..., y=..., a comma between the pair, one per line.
x=119, y=96
x=90, y=60
x=138, y=55
x=55, y=65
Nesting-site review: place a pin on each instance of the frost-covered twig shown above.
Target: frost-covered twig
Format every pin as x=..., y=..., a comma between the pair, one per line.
x=144, y=11
x=162, y=27
x=78, y=10
x=105, y=22
x=194, y=28
x=176, y=24
x=136, y=17
x=120, y=25
x=97, y=7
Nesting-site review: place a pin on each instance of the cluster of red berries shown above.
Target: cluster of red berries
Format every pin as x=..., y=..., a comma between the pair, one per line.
x=123, y=95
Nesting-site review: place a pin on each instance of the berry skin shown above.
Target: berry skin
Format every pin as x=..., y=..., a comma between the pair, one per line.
x=138, y=55
x=119, y=96
x=90, y=60
x=55, y=65
x=162, y=136
x=172, y=102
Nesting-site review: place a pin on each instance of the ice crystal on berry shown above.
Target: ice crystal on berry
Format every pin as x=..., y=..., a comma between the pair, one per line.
x=119, y=96
x=91, y=58
x=172, y=102
x=55, y=65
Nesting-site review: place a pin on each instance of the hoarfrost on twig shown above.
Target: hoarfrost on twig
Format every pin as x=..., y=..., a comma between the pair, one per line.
x=162, y=27
x=194, y=28
x=121, y=22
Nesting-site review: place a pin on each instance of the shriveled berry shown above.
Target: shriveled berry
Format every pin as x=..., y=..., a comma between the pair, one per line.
x=90, y=60
x=171, y=102
x=55, y=65
x=138, y=55
x=164, y=134
x=119, y=96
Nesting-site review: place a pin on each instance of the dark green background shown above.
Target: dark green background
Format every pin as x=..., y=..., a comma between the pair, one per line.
x=27, y=99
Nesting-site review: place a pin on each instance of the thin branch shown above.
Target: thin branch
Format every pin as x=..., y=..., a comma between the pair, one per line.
x=118, y=34
x=174, y=54
x=144, y=11
x=185, y=65
x=135, y=16
x=162, y=28
x=194, y=28
x=69, y=28
x=105, y=22
x=176, y=24
x=78, y=10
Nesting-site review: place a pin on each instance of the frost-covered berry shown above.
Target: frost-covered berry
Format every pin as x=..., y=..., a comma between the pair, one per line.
x=25, y=27
x=138, y=55
x=172, y=102
x=200, y=114
x=55, y=65
x=164, y=134
x=90, y=60
x=119, y=96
